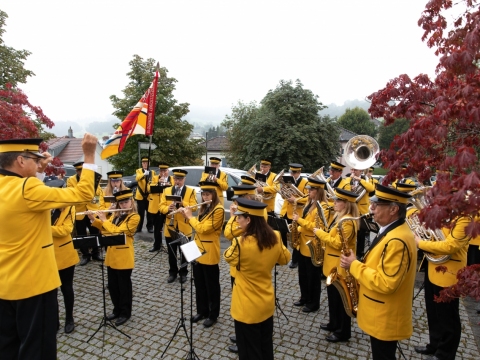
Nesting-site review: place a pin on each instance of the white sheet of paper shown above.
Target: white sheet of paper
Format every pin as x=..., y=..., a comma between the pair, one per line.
x=190, y=251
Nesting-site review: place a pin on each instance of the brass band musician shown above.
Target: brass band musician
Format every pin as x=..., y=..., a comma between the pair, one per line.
x=270, y=190
x=218, y=177
x=144, y=176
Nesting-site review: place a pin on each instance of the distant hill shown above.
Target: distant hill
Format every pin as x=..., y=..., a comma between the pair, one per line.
x=338, y=110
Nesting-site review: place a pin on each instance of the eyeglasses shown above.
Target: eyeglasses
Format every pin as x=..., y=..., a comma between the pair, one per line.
x=36, y=158
x=373, y=205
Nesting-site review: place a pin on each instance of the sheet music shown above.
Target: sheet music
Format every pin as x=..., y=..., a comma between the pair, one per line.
x=190, y=251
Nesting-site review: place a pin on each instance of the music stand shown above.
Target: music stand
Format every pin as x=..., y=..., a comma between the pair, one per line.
x=100, y=241
x=190, y=252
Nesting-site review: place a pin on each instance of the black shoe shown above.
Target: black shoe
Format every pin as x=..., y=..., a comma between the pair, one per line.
x=121, y=320
x=183, y=279
x=233, y=348
x=334, y=338
x=306, y=309
x=171, y=279
x=299, y=303
x=326, y=327
x=293, y=265
x=97, y=257
x=84, y=261
x=150, y=230
x=154, y=249
x=425, y=350
x=69, y=327
x=112, y=316
x=197, y=318
x=209, y=322
x=233, y=338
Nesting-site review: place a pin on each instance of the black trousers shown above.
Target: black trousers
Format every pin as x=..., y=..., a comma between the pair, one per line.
x=361, y=235
x=28, y=327
x=255, y=341
x=383, y=350
x=158, y=222
x=207, y=289
x=81, y=227
x=309, y=281
x=142, y=208
x=339, y=320
x=173, y=249
x=66, y=277
x=444, y=324
x=120, y=288
x=473, y=255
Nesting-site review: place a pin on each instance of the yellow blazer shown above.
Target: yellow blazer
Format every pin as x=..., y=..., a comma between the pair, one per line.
x=334, y=243
x=253, y=298
x=207, y=235
x=65, y=253
x=222, y=180
x=142, y=186
x=27, y=256
x=120, y=257
x=456, y=245
x=287, y=208
x=271, y=190
x=179, y=222
x=306, y=226
x=93, y=204
x=386, y=282
x=232, y=231
x=154, y=199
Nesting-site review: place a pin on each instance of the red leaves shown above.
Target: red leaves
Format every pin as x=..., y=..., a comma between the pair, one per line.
x=468, y=284
x=441, y=268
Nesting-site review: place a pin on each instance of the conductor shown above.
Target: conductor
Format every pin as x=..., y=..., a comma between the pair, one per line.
x=28, y=271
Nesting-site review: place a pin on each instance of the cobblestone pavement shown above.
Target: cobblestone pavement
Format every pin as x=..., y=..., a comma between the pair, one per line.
x=156, y=314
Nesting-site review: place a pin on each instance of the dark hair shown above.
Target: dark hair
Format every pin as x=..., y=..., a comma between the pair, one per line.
x=260, y=230
x=402, y=210
x=7, y=159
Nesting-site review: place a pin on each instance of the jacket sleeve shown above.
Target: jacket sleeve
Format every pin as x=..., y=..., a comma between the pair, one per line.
x=333, y=237
x=212, y=223
x=231, y=229
x=66, y=227
x=129, y=226
x=284, y=256
x=454, y=241
x=232, y=253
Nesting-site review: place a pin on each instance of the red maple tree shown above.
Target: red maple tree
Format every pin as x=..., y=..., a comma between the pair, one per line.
x=444, y=115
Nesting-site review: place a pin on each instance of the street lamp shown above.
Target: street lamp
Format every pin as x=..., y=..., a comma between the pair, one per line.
x=206, y=148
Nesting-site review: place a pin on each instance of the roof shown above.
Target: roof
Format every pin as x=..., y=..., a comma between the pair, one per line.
x=68, y=150
x=219, y=143
x=346, y=135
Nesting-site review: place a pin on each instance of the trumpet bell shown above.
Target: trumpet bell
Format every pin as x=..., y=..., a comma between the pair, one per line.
x=361, y=152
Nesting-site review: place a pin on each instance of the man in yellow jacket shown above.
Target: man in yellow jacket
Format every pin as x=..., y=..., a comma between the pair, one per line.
x=386, y=275
x=28, y=271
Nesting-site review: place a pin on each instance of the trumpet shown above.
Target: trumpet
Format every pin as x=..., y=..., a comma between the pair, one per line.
x=164, y=182
x=188, y=207
x=91, y=212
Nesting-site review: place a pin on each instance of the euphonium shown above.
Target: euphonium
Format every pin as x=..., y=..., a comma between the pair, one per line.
x=287, y=190
x=319, y=175
x=316, y=246
x=418, y=200
x=347, y=286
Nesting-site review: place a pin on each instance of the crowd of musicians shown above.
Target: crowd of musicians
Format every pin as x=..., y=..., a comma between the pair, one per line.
x=326, y=223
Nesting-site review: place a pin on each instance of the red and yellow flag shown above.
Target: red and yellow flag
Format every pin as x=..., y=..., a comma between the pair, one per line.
x=140, y=121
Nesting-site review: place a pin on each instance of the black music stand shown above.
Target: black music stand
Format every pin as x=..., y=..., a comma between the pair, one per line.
x=100, y=241
x=181, y=238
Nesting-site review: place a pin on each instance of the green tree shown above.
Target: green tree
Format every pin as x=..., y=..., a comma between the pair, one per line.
x=386, y=134
x=171, y=133
x=285, y=127
x=12, y=69
x=358, y=121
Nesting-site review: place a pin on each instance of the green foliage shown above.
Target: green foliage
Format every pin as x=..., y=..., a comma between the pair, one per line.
x=358, y=121
x=285, y=127
x=171, y=133
x=386, y=134
x=11, y=61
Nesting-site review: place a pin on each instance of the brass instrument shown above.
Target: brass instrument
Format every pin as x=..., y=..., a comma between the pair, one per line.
x=188, y=207
x=93, y=212
x=263, y=196
x=319, y=175
x=419, y=229
x=164, y=181
x=287, y=190
x=294, y=234
x=347, y=286
x=360, y=153
x=317, y=247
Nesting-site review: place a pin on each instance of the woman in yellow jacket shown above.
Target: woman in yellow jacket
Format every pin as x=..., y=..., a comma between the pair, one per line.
x=207, y=227
x=65, y=254
x=344, y=206
x=308, y=274
x=253, y=300
x=120, y=260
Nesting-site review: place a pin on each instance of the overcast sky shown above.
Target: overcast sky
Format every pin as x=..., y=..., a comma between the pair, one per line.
x=219, y=51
